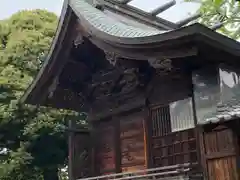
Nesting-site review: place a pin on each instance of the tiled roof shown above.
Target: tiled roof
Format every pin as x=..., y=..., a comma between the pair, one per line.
x=111, y=26
x=225, y=111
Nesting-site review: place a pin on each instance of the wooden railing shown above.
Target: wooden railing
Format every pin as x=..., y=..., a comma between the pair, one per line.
x=175, y=172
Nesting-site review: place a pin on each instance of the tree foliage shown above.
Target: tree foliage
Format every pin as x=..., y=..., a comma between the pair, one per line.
x=34, y=145
x=221, y=11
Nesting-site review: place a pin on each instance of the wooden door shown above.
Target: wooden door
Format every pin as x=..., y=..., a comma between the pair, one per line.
x=220, y=151
x=133, y=145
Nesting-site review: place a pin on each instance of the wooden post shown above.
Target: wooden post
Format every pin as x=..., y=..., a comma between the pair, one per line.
x=71, y=151
x=93, y=150
x=199, y=138
x=117, y=145
x=148, y=137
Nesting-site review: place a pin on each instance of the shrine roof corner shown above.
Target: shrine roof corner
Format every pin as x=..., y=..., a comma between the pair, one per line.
x=100, y=23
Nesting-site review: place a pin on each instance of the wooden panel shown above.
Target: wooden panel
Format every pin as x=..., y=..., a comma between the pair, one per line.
x=82, y=156
x=222, y=169
x=105, y=151
x=132, y=143
x=170, y=148
x=174, y=148
x=176, y=86
x=220, y=154
x=133, y=168
x=219, y=142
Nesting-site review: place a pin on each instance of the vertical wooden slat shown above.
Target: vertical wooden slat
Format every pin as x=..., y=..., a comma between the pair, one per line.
x=117, y=146
x=145, y=138
x=93, y=152
x=132, y=142
x=105, y=151
x=149, y=134
x=221, y=157
x=71, y=151
x=203, y=152
x=197, y=132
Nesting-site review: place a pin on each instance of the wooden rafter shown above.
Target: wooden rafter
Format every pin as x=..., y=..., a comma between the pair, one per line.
x=125, y=1
x=163, y=8
x=188, y=20
x=139, y=15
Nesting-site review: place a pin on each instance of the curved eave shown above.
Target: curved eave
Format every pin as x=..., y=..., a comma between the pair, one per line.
x=125, y=46
x=100, y=28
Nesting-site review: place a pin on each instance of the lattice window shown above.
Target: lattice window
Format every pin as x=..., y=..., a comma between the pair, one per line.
x=169, y=148
x=161, y=124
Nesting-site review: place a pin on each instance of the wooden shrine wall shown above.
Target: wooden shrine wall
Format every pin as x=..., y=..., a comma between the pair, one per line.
x=220, y=153
x=170, y=148
x=168, y=145
x=132, y=140
x=176, y=87
x=120, y=145
x=105, y=155
x=81, y=156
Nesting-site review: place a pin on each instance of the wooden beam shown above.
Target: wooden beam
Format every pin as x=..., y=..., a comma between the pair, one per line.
x=172, y=54
x=188, y=20
x=125, y=1
x=217, y=26
x=163, y=8
x=139, y=15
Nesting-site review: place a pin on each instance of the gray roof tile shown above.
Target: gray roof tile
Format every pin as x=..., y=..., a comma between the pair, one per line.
x=225, y=111
x=107, y=24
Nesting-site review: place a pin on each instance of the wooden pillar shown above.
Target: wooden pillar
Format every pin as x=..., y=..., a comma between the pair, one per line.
x=199, y=138
x=117, y=145
x=148, y=138
x=93, y=150
x=70, y=151
x=200, y=131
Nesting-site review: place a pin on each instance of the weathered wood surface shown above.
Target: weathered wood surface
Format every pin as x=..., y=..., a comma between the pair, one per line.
x=220, y=153
x=120, y=145
x=105, y=151
x=81, y=156
x=132, y=144
x=169, y=148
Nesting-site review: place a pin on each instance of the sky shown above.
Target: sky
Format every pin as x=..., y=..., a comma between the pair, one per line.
x=9, y=7
x=179, y=11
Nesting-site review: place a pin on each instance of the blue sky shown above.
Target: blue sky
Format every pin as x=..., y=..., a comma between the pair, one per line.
x=8, y=7
x=178, y=12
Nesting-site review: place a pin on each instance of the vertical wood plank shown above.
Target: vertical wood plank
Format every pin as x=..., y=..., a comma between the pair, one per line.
x=203, y=152
x=148, y=137
x=71, y=151
x=117, y=145
x=132, y=142
x=221, y=155
x=93, y=151
x=197, y=132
